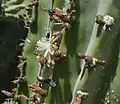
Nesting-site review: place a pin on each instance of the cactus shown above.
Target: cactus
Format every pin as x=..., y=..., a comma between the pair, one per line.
x=71, y=51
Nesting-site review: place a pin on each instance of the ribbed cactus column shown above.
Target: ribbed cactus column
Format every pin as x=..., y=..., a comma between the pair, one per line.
x=101, y=46
x=41, y=23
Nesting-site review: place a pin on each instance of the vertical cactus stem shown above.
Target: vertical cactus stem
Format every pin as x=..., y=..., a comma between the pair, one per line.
x=33, y=65
x=60, y=87
x=92, y=46
x=44, y=17
x=33, y=42
x=109, y=92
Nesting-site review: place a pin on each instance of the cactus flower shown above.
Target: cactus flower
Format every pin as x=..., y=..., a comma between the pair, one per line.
x=106, y=20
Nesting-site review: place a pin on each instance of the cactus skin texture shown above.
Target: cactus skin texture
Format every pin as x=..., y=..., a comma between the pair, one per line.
x=71, y=51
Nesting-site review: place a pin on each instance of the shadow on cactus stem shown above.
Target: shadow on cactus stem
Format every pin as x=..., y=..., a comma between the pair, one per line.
x=59, y=94
x=110, y=71
x=63, y=74
x=71, y=40
x=99, y=30
x=111, y=67
x=107, y=74
x=10, y=37
x=73, y=34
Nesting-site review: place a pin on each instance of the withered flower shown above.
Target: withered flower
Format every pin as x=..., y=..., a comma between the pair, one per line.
x=18, y=80
x=60, y=32
x=91, y=62
x=72, y=4
x=77, y=100
x=47, y=50
x=21, y=96
x=55, y=14
x=59, y=15
x=7, y=93
x=13, y=96
x=38, y=90
x=32, y=3
x=79, y=97
x=47, y=80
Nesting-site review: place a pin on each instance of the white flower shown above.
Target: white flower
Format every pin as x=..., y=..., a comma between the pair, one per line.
x=43, y=44
x=82, y=93
x=46, y=49
x=108, y=20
